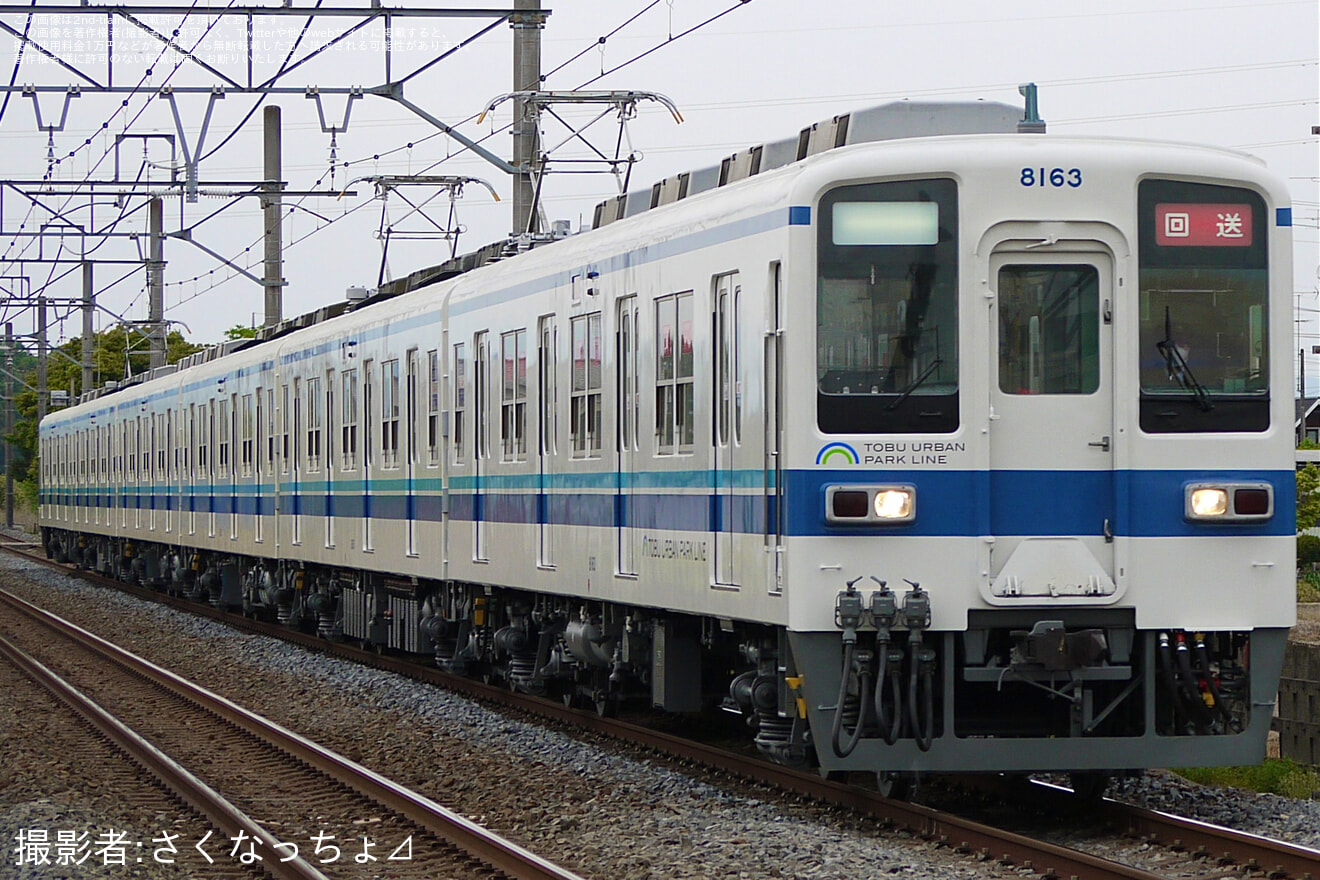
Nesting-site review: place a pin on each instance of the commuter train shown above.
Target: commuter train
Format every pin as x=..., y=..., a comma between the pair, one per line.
x=965, y=451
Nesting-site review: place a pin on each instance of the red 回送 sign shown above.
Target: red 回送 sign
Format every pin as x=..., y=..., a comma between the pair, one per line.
x=1203, y=225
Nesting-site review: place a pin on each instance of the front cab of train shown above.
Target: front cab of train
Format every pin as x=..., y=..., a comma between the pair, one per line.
x=1047, y=511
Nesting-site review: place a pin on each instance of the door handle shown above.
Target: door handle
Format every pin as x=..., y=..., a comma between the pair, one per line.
x=1102, y=443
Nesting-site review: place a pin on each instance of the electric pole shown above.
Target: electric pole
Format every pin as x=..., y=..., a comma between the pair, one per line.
x=89, y=309
x=271, y=202
x=156, y=285
x=527, y=26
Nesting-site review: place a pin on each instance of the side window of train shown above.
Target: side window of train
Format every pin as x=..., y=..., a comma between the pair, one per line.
x=547, y=392
x=349, y=397
x=246, y=422
x=433, y=408
x=674, y=405
x=481, y=396
x=222, y=436
x=328, y=433
x=312, y=407
x=728, y=384
x=460, y=403
x=887, y=308
x=368, y=405
x=204, y=439
x=513, y=396
x=585, y=404
x=389, y=413
x=286, y=414
x=270, y=432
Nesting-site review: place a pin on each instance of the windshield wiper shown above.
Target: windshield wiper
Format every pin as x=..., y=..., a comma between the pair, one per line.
x=912, y=386
x=1178, y=368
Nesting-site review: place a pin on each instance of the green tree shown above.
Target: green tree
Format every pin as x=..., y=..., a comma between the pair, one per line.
x=1308, y=497
x=238, y=331
x=118, y=353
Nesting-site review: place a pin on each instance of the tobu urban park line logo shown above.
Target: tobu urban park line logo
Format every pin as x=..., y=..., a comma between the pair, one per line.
x=836, y=453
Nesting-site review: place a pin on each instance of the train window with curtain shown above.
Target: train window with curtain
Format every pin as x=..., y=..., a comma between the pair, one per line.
x=513, y=396
x=433, y=408
x=368, y=407
x=547, y=364
x=460, y=402
x=348, y=441
x=143, y=448
x=674, y=401
x=1203, y=302
x=204, y=440
x=286, y=413
x=245, y=421
x=312, y=406
x=1049, y=322
x=389, y=413
x=585, y=403
x=481, y=395
x=328, y=435
x=887, y=308
x=270, y=432
x=259, y=423
x=222, y=440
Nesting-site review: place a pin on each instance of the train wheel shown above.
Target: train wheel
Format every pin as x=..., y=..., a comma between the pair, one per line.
x=894, y=785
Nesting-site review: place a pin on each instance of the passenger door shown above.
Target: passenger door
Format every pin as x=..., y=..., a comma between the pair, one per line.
x=547, y=398
x=628, y=414
x=727, y=440
x=1052, y=488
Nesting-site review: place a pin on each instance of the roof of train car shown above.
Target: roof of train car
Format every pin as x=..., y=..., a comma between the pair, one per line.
x=552, y=263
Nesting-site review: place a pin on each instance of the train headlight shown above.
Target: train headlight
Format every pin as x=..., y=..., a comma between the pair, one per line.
x=858, y=505
x=894, y=504
x=1229, y=502
x=1209, y=502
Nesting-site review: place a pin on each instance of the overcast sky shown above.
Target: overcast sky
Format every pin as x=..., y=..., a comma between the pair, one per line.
x=1233, y=74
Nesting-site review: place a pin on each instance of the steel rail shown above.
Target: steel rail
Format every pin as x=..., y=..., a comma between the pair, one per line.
x=195, y=793
x=1203, y=839
x=504, y=855
x=1282, y=859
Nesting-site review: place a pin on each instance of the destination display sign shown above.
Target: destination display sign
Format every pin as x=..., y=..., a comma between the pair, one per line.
x=1203, y=225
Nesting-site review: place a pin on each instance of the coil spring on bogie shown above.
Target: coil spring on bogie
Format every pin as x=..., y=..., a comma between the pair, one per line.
x=283, y=613
x=444, y=650
x=325, y=625
x=771, y=730
x=522, y=672
x=522, y=665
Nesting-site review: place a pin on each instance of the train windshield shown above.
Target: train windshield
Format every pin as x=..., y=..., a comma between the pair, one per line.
x=1203, y=308
x=887, y=308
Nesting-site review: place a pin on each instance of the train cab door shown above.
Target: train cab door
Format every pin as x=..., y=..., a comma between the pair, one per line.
x=1052, y=488
x=727, y=439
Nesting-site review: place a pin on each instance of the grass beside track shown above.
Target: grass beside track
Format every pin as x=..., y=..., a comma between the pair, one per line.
x=1281, y=776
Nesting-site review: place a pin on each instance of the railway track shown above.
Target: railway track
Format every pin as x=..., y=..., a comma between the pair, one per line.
x=265, y=769
x=1224, y=847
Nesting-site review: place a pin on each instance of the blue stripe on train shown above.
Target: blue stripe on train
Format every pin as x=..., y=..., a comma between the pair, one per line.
x=949, y=504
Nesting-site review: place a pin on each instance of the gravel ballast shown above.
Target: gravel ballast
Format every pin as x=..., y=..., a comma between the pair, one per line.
x=603, y=813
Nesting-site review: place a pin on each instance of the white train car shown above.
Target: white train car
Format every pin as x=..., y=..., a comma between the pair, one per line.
x=708, y=451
